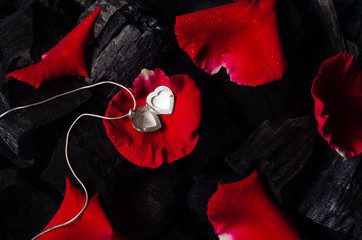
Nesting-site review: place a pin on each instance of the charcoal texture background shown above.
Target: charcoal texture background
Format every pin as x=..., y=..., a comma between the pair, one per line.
x=270, y=128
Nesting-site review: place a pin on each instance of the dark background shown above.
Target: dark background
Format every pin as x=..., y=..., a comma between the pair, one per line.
x=270, y=128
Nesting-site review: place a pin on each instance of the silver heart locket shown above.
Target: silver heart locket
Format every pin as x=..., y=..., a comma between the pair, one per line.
x=160, y=101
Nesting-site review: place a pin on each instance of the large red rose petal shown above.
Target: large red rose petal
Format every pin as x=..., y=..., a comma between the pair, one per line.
x=337, y=91
x=243, y=37
x=93, y=224
x=178, y=135
x=67, y=58
x=244, y=211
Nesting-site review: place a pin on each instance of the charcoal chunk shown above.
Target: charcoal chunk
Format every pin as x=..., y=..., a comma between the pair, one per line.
x=145, y=205
x=280, y=151
x=199, y=196
x=333, y=196
x=109, y=31
x=28, y=132
x=108, y=8
x=310, y=230
x=322, y=23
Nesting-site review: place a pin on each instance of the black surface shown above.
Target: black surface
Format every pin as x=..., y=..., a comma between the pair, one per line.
x=270, y=128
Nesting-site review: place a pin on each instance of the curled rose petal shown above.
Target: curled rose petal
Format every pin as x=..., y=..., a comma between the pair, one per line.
x=178, y=135
x=67, y=58
x=337, y=91
x=243, y=210
x=243, y=37
x=93, y=224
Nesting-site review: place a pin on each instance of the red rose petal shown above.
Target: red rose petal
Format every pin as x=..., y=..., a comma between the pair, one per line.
x=337, y=91
x=93, y=224
x=178, y=135
x=67, y=58
x=243, y=37
x=243, y=210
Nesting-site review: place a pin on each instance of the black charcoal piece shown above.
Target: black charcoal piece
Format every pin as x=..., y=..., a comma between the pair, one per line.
x=108, y=8
x=25, y=210
x=29, y=132
x=280, y=151
x=322, y=23
x=16, y=39
x=123, y=49
x=146, y=204
x=199, y=196
x=92, y=156
x=333, y=196
x=357, y=230
x=109, y=31
x=310, y=230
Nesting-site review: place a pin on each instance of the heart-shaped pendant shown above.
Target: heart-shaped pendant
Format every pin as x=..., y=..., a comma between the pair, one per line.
x=145, y=120
x=162, y=100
